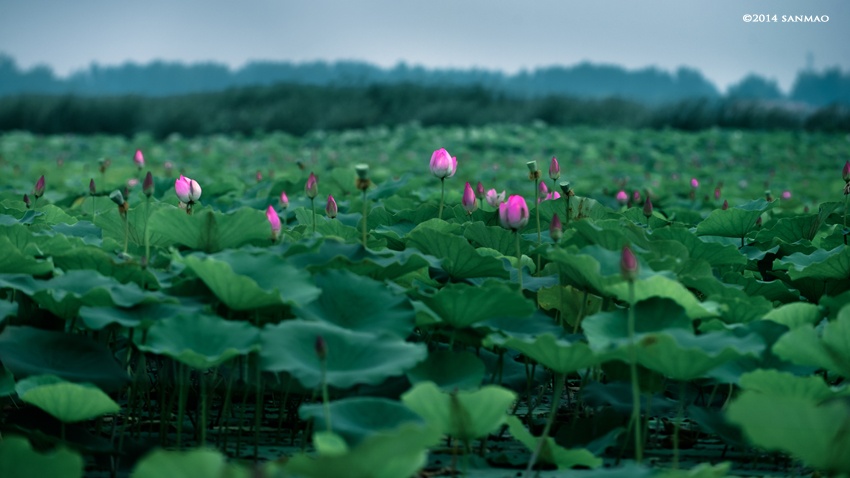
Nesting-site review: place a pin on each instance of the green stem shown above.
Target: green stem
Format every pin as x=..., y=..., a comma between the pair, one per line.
x=126, y=232
x=580, y=312
x=634, y=377
x=93, y=211
x=556, y=400
x=678, y=424
x=442, y=197
x=313, y=208
x=518, y=262
x=258, y=409
x=567, y=219
x=846, y=206
x=181, y=403
x=537, y=208
x=326, y=403
x=147, y=239
x=365, y=212
x=203, y=424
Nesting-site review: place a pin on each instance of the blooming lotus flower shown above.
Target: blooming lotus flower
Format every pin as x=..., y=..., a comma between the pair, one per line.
x=555, y=228
x=274, y=221
x=628, y=264
x=786, y=194
x=845, y=173
x=694, y=183
x=493, y=198
x=331, y=207
x=284, y=201
x=552, y=195
x=311, y=188
x=468, y=200
x=513, y=214
x=554, y=169
x=139, y=159
x=622, y=197
x=188, y=190
x=39, y=187
x=147, y=185
x=443, y=165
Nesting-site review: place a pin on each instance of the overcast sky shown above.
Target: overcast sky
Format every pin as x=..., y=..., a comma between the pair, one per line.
x=507, y=35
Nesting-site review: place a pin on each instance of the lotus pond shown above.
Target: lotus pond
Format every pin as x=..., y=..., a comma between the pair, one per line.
x=158, y=326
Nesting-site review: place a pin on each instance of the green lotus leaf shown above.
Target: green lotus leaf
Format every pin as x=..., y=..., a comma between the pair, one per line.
x=27, y=351
x=458, y=257
x=398, y=453
x=7, y=382
x=818, y=433
x=465, y=415
x=94, y=258
x=795, y=315
x=19, y=460
x=831, y=351
x=774, y=290
x=774, y=382
x=66, y=401
x=450, y=370
x=112, y=224
x=733, y=222
x=790, y=230
x=551, y=452
x=13, y=261
x=703, y=470
x=200, y=341
x=821, y=264
x=51, y=214
x=661, y=286
x=244, y=280
x=492, y=237
x=715, y=254
x=738, y=307
x=461, y=305
x=360, y=304
x=187, y=464
x=353, y=357
x=97, y=318
x=568, y=301
x=7, y=309
x=381, y=265
x=210, y=231
x=561, y=355
x=357, y=418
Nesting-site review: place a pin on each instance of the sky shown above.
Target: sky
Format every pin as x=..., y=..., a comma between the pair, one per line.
x=505, y=35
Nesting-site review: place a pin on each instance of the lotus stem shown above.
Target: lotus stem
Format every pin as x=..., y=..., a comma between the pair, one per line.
x=634, y=376
x=567, y=218
x=518, y=262
x=679, y=417
x=313, y=208
x=556, y=400
x=326, y=396
x=846, y=207
x=181, y=402
x=365, y=213
x=203, y=421
x=147, y=238
x=126, y=232
x=442, y=197
x=537, y=209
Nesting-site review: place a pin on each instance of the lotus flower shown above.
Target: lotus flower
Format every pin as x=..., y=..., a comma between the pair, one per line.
x=513, y=214
x=39, y=187
x=554, y=169
x=845, y=173
x=274, y=221
x=786, y=194
x=552, y=195
x=636, y=196
x=647, y=207
x=147, y=185
x=139, y=159
x=628, y=264
x=92, y=188
x=543, y=189
x=469, y=203
x=694, y=183
x=27, y=201
x=132, y=182
x=479, y=190
x=493, y=198
x=555, y=228
x=331, y=207
x=622, y=197
x=716, y=193
x=188, y=190
x=321, y=347
x=284, y=201
x=311, y=188
x=259, y=175
x=443, y=165
x=725, y=205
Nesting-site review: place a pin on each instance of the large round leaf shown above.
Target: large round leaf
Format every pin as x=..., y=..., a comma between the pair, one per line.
x=200, y=341
x=461, y=305
x=19, y=460
x=560, y=355
x=352, y=357
x=187, y=464
x=450, y=370
x=209, y=230
x=361, y=304
x=551, y=452
x=244, y=280
x=66, y=401
x=733, y=222
x=358, y=418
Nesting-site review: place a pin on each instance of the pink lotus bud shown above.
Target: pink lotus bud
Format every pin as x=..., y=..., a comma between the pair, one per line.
x=188, y=190
x=139, y=159
x=716, y=193
x=543, y=189
x=27, y=201
x=636, y=196
x=92, y=189
x=845, y=173
x=274, y=221
x=786, y=194
x=331, y=207
x=514, y=213
x=647, y=207
x=259, y=175
x=132, y=182
x=443, y=165
x=321, y=348
x=694, y=183
x=553, y=195
x=479, y=190
x=622, y=197
x=312, y=186
x=628, y=264
x=284, y=201
x=39, y=187
x=169, y=166
x=555, y=228
x=494, y=199
x=468, y=200
x=147, y=185
x=725, y=205
x=554, y=169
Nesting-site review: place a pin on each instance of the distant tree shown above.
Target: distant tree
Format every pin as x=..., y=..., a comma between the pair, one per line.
x=754, y=87
x=831, y=86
